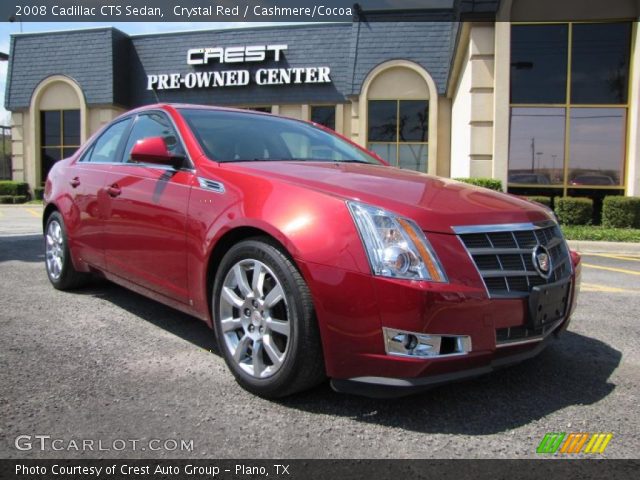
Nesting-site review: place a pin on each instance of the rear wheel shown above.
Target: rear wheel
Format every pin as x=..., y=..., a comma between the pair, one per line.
x=265, y=321
x=58, y=262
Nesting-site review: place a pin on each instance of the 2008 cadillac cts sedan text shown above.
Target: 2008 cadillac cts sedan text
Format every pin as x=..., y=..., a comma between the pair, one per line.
x=307, y=255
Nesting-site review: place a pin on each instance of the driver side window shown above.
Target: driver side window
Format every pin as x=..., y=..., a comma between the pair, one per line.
x=153, y=125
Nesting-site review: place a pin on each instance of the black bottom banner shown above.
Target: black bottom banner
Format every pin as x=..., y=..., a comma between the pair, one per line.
x=319, y=469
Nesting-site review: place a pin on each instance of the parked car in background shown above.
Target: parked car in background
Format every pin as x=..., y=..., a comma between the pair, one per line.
x=308, y=256
x=537, y=178
x=592, y=179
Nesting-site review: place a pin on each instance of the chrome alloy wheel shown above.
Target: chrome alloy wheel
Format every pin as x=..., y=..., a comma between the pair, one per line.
x=54, y=249
x=254, y=318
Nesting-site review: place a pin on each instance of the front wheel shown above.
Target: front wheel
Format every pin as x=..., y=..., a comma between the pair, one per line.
x=265, y=322
x=58, y=262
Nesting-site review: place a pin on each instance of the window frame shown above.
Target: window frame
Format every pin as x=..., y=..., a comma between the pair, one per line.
x=325, y=105
x=397, y=142
x=61, y=146
x=565, y=186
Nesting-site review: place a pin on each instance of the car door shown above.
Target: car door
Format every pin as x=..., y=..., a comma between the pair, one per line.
x=87, y=181
x=145, y=226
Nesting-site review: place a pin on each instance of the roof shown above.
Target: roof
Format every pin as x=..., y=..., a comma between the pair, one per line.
x=111, y=67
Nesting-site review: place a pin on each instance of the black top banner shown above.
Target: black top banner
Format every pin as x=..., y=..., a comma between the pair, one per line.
x=319, y=469
x=298, y=11
x=226, y=11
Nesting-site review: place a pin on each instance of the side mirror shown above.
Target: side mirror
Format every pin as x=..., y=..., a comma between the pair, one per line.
x=154, y=150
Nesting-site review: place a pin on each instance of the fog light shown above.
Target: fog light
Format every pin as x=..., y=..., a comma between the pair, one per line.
x=423, y=345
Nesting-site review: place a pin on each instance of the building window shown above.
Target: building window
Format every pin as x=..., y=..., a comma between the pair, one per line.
x=59, y=137
x=324, y=115
x=569, y=103
x=257, y=109
x=399, y=132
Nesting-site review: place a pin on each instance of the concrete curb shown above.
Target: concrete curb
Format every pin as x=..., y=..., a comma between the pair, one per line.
x=620, y=248
x=21, y=205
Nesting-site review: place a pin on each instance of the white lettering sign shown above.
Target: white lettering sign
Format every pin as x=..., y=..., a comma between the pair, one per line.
x=237, y=78
x=254, y=53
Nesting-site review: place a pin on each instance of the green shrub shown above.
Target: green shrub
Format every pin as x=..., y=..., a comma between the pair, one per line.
x=600, y=234
x=546, y=201
x=6, y=198
x=38, y=193
x=20, y=198
x=574, y=210
x=621, y=212
x=9, y=187
x=490, y=183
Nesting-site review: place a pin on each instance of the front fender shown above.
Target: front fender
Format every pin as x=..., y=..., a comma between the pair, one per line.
x=314, y=227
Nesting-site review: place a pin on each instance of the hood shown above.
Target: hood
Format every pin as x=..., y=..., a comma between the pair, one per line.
x=436, y=204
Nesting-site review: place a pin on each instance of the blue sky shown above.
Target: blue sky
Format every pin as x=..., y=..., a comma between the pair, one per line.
x=6, y=29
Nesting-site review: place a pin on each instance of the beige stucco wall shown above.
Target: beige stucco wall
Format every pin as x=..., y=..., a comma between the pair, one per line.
x=633, y=165
x=19, y=146
x=292, y=111
x=461, y=122
x=443, y=167
x=473, y=103
x=100, y=116
x=502, y=72
x=398, y=83
x=481, y=58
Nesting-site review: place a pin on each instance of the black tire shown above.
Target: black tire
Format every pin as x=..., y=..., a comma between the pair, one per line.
x=67, y=278
x=303, y=365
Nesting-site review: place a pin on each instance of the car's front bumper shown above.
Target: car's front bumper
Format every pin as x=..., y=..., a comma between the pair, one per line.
x=387, y=387
x=354, y=309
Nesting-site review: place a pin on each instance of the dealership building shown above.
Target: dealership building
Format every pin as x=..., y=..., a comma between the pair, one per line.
x=546, y=105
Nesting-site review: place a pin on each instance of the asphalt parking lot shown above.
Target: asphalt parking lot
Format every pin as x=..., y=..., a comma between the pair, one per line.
x=105, y=364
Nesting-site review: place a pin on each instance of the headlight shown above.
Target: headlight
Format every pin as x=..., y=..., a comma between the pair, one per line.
x=395, y=246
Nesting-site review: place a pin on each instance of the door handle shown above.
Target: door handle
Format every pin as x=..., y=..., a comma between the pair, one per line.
x=74, y=182
x=114, y=190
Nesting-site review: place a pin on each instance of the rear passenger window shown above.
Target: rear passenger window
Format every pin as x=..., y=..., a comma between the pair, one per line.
x=105, y=148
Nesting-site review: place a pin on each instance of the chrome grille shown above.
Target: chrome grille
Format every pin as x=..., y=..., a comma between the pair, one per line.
x=511, y=335
x=503, y=255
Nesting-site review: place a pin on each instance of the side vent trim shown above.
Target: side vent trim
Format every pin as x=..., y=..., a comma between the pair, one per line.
x=211, y=185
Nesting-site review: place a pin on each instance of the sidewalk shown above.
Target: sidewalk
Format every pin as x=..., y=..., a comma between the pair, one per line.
x=24, y=219
x=619, y=248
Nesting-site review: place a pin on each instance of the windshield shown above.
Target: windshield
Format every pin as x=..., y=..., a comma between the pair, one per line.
x=227, y=136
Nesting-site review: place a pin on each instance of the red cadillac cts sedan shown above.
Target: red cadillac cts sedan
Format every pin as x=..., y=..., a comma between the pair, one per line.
x=308, y=256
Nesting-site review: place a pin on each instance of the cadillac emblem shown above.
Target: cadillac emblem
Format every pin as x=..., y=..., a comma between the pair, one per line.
x=542, y=261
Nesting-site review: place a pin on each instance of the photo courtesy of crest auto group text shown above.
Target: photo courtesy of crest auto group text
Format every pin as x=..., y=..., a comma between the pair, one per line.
x=249, y=240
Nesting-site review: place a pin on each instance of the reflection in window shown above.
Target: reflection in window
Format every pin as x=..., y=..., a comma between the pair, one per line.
x=536, y=146
x=539, y=63
x=565, y=129
x=413, y=156
x=399, y=132
x=324, y=115
x=597, y=146
x=59, y=137
x=383, y=121
x=257, y=109
x=600, y=66
x=105, y=148
x=153, y=125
